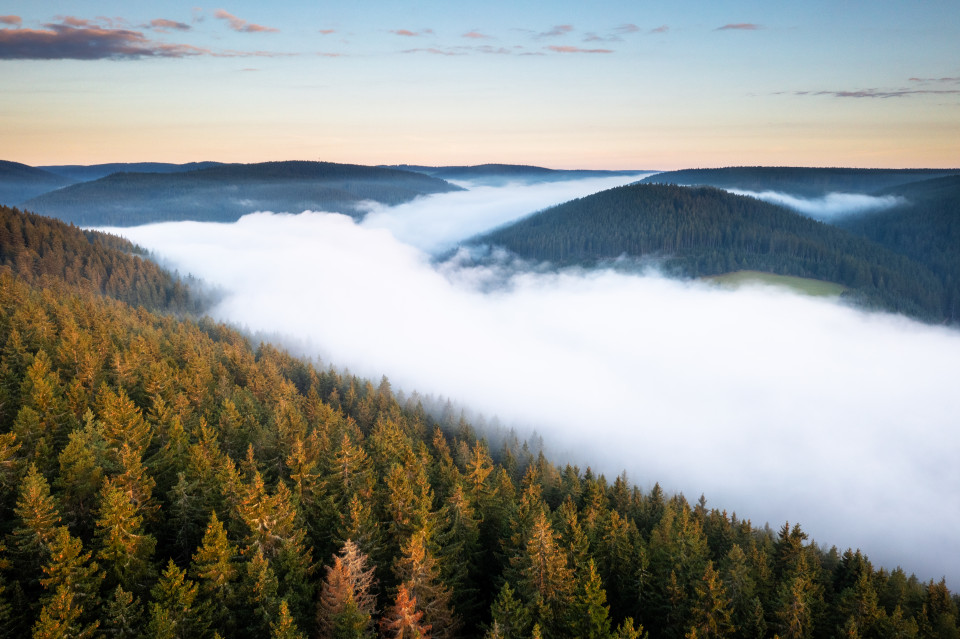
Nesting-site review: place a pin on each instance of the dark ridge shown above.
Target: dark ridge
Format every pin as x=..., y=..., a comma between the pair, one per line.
x=224, y=193
x=704, y=231
x=801, y=181
x=86, y=173
x=19, y=182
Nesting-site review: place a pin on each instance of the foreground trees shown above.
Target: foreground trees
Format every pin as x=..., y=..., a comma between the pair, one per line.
x=210, y=488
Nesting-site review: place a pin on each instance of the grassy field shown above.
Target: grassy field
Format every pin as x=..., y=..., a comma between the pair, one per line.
x=818, y=288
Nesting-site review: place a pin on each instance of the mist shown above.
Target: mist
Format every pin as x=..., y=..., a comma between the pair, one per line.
x=773, y=405
x=830, y=207
x=439, y=222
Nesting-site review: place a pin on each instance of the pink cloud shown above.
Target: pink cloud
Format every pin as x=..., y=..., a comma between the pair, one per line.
x=569, y=49
x=739, y=26
x=161, y=24
x=242, y=25
x=476, y=35
x=13, y=20
x=327, y=31
x=77, y=39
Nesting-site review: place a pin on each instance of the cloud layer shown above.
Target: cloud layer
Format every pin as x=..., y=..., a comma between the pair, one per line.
x=830, y=207
x=776, y=406
x=80, y=40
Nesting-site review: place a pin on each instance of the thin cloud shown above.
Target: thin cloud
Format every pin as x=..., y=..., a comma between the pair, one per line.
x=594, y=37
x=242, y=26
x=661, y=29
x=881, y=93
x=11, y=20
x=570, y=49
x=740, y=26
x=627, y=28
x=936, y=80
x=76, y=39
x=558, y=30
x=326, y=31
x=160, y=24
x=434, y=51
x=476, y=35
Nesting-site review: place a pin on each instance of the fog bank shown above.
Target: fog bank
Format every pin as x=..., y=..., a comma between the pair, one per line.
x=830, y=207
x=775, y=406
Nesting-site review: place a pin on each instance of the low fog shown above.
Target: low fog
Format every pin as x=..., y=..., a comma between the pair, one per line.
x=438, y=222
x=830, y=207
x=773, y=405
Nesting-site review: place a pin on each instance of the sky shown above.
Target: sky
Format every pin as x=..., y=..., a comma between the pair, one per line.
x=621, y=84
x=776, y=406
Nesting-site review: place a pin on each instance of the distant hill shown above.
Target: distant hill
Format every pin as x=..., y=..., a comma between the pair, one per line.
x=705, y=231
x=499, y=174
x=225, y=192
x=925, y=228
x=800, y=181
x=19, y=182
x=86, y=173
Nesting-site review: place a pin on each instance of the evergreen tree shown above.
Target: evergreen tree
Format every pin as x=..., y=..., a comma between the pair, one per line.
x=124, y=616
x=175, y=611
x=124, y=550
x=589, y=614
x=60, y=618
x=347, y=602
x=403, y=620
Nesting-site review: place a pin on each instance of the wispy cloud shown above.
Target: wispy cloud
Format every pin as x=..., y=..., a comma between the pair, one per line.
x=326, y=31
x=242, y=26
x=407, y=33
x=595, y=37
x=661, y=29
x=160, y=24
x=936, y=80
x=570, y=49
x=556, y=31
x=78, y=39
x=627, y=28
x=435, y=51
x=740, y=26
x=11, y=20
x=476, y=35
x=881, y=93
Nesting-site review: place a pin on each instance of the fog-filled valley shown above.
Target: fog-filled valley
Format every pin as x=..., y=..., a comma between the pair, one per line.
x=779, y=406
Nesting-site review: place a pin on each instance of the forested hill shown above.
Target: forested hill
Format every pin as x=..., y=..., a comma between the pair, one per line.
x=705, y=231
x=85, y=173
x=925, y=227
x=19, y=182
x=500, y=174
x=224, y=193
x=800, y=181
x=163, y=478
x=41, y=250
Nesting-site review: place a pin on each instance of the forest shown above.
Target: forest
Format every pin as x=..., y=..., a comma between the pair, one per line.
x=163, y=476
x=799, y=181
x=703, y=231
x=226, y=192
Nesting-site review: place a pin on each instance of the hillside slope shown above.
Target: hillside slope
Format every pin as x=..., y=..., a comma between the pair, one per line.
x=706, y=231
x=926, y=228
x=224, y=193
x=500, y=174
x=798, y=181
x=19, y=182
x=86, y=173
x=163, y=477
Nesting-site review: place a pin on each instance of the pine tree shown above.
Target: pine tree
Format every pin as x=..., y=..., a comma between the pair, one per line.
x=510, y=615
x=71, y=568
x=589, y=614
x=125, y=551
x=175, y=611
x=38, y=519
x=710, y=613
x=285, y=627
x=419, y=573
x=347, y=602
x=60, y=618
x=124, y=616
x=216, y=569
x=404, y=620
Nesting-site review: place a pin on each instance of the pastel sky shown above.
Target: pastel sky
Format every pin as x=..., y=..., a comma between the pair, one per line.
x=602, y=84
